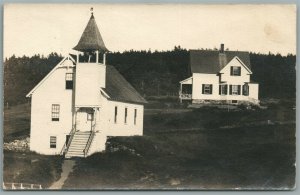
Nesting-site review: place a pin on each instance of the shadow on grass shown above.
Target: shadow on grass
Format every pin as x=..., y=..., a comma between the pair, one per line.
x=29, y=167
x=251, y=158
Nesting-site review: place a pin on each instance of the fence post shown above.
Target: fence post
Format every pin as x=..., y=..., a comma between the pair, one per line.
x=40, y=186
x=31, y=186
x=4, y=186
x=22, y=186
x=13, y=186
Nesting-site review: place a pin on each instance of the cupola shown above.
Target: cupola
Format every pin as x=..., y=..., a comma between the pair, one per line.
x=91, y=44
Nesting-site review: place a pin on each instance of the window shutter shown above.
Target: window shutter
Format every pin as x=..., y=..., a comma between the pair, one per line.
x=231, y=70
x=239, y=68
x=230, y=89
x=202, y=88
x=226, y=86
x=247, y=90
x=220, y=89
x=239, y=89
x=211, y=89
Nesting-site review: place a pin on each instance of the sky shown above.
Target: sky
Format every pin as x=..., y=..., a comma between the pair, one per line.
x=44, y=28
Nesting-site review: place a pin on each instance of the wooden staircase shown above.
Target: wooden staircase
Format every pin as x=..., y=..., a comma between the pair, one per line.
x=80, y=144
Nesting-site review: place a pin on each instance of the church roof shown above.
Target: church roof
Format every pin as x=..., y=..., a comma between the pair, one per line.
x=91, y=39
x=119, y=89
x=212, y=61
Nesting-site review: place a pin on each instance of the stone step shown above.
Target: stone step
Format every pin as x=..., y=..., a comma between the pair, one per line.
x=76, y=146
x=74, y=153
x=78, y=143
x=84, y=136
x=81, y=137
x=80, y=140
x=70, y=156
x=77, y=149
x=82, y=133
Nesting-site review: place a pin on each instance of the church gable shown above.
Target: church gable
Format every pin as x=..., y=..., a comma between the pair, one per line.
x=66, y=64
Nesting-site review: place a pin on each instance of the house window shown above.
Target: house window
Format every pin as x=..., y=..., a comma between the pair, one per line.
x=222, y=89
x=235, y=71
x=52, y=141
x=246, y=89
x=206, y=89
x=69, y=80
x=234, y=101
x=234, y=89
x=116, y=114
x=55, y=112
x=125, y=119
x=90, y=116
x=135, y=115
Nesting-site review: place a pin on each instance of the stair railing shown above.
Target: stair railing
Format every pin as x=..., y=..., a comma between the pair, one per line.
x=91, y=137
x=63, y=149
x=89, y=143
x=66, y=146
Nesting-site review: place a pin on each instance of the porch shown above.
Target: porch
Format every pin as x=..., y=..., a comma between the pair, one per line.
x=185, y=92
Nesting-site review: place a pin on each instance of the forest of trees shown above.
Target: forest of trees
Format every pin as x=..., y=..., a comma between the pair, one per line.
x=152, y=73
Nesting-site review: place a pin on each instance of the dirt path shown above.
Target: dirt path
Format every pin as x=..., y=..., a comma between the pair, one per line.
x=67, y=168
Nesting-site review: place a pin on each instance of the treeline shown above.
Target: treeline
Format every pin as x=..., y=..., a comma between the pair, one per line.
x=21, y=74
x=152, y=73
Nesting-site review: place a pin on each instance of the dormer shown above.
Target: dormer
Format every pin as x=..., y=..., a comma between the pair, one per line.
x=235, y=71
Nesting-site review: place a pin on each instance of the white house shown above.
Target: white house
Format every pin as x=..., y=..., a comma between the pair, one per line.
x=219, y=77
x=82, y=101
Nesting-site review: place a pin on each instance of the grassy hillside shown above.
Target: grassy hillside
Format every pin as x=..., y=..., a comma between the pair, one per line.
x=16, y=122
x=198, y=149
x=31, y=168
x=181, y=148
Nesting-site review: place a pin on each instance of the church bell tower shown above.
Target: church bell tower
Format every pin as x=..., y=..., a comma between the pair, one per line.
x=90, y=66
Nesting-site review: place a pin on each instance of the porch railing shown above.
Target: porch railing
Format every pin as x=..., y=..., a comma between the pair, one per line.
x=185, y=96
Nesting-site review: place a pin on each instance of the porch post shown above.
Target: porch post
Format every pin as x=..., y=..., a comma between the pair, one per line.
x=97, y=56
x=104, y=58
x=95, y=117
x=75, y=118
x=180, y=92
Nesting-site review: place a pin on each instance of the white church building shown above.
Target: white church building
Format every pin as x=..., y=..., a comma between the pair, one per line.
x=219, y=77
x=82, y=101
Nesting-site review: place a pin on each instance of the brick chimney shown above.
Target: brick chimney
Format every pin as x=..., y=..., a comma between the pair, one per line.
x=222, y=57
x=222, y=48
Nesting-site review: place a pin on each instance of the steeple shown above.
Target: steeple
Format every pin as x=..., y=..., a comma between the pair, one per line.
x=91, y=39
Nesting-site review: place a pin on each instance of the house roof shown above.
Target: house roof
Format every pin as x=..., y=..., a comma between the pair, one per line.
x=119, y=89
x=91, y=39
x=212, y=61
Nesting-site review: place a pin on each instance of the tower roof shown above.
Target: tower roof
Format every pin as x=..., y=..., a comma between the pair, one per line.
x=91, y=39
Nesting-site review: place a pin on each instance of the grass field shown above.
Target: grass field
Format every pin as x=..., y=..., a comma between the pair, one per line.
x=205, y=148
x=20, y=167
x=199, y=149
x=16, y=124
